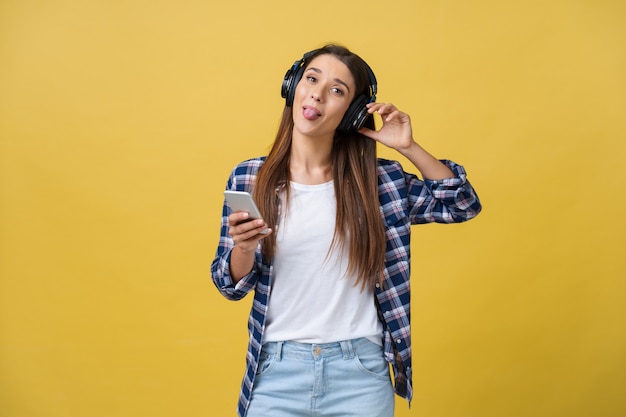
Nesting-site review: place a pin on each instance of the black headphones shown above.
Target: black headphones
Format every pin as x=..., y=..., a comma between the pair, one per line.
x=355, y=116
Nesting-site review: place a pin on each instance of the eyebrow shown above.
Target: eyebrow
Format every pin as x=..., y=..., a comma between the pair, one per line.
x=337, y=80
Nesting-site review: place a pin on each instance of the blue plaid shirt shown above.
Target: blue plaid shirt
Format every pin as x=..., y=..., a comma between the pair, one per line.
x=404, y=200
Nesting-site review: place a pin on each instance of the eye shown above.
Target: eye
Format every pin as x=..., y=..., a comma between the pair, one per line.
x=311, y=79
x=337, y=91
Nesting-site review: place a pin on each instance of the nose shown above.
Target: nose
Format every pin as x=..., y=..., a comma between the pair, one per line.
x=315, y=95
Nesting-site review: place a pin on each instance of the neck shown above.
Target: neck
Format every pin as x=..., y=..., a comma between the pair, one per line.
x=310, y=161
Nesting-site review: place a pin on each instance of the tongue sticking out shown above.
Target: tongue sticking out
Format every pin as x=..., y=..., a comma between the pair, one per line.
x=310, y=113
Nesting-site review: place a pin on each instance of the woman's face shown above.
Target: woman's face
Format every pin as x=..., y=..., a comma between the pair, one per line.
x=322, y=96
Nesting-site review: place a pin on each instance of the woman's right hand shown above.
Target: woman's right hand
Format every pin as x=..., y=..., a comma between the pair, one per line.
x=246, y=233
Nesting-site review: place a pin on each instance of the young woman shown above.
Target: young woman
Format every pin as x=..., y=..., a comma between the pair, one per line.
x=329, y=262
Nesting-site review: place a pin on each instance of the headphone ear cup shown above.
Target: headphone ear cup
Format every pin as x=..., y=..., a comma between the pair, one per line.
x=361, y=117
x=291, y=80
x=284, y=90
x=355, y=116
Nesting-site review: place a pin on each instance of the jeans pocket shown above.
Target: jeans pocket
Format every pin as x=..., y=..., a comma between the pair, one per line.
x=266, y=360
x=371, y=361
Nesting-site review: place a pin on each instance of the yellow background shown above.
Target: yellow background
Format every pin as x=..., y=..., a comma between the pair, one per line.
x=120, y=121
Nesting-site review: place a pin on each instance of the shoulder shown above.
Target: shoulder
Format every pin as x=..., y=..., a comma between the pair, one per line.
x=389, y=170
x=388, y=164
x=248, y=166
x=244, y=174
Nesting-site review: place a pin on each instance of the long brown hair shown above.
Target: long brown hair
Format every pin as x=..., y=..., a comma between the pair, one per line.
x=358, y=220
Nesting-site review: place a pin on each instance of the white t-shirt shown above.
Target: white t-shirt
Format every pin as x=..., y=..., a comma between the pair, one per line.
x=313, y=300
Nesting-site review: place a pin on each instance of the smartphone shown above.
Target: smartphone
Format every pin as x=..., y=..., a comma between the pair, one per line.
x=243, y=201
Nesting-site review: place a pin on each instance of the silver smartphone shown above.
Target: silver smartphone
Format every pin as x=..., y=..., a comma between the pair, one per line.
x=242, y=201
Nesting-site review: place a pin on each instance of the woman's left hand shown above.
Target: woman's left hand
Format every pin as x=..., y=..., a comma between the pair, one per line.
x=396, y=132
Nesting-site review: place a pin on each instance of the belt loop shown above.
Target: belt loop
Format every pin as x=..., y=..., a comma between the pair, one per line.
x=279, y=351
x=347, y=349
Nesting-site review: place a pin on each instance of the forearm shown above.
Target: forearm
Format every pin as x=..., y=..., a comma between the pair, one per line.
x=241, y=263
x=429, y=166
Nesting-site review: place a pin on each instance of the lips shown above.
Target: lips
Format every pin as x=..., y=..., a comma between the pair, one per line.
x=310, y=113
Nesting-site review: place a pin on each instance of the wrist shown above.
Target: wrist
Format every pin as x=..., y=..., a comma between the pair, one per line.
x=411, y=149
x=244, y=250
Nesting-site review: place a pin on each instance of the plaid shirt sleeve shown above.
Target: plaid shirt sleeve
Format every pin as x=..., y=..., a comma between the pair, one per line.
x=241, y=179
x=451, y=200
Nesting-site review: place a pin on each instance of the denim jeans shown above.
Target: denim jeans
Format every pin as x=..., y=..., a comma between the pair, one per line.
x=342, y=379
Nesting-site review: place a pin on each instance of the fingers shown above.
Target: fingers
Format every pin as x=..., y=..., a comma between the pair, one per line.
x=380, y=107
x=369, y=133
x=383, y=109
x=387, y=111
x=245, y=232
x=396, y=131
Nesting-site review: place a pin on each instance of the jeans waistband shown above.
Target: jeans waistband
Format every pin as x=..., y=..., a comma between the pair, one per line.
x=346, y=348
